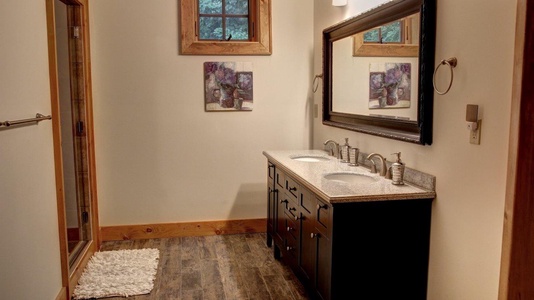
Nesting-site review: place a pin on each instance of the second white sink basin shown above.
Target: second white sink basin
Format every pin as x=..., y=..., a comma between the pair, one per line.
x=351, y=178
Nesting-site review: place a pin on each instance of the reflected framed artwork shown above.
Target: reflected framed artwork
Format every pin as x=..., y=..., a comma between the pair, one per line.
x=390, y=85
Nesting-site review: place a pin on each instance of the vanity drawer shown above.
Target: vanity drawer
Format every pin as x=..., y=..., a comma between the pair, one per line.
x=291, y=209
x=292, y=187
x=279, y=180
x=292, y=228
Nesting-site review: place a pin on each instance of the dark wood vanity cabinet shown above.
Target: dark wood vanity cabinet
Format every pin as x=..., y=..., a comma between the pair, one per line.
x=351, y=250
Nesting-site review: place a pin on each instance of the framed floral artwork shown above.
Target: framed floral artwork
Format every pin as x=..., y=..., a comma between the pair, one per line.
x=228, y=86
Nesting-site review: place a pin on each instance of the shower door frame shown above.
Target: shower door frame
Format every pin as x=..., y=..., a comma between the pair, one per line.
x=72, y=268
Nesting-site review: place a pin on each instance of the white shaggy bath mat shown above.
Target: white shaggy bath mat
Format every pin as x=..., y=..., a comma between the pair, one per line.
x=118, y=273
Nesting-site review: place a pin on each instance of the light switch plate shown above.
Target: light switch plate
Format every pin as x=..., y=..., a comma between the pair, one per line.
x=474, y=135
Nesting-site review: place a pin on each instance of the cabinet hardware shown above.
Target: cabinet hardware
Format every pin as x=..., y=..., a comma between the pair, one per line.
x=85, y=217
x=289, y=228
x=292, y=189
x=283, y=201
x=289, y=248
x=292, y=208
x=319, y=206
x=297, y=218
x=314, y=235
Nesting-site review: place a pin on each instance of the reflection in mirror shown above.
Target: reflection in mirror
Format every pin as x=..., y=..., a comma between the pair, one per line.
x=74, y=152
x=377, y=71
x=398, y=38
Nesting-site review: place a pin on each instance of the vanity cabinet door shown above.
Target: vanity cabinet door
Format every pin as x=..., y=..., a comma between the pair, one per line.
x=323, y=268
x=272, y=197
x=307, y=247
x=315, y=258
x=281, y=224
x=280, y=204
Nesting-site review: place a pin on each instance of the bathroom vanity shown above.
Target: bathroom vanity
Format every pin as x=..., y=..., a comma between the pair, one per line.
x=345, y=232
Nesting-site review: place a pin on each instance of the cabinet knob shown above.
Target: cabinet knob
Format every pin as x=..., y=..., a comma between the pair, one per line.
x=297, y=218
x=292, y=188
x=289, y=248
x=289, y=228
x=292, y=208
x=283, y=201
x=319, y=206
x=313, y=235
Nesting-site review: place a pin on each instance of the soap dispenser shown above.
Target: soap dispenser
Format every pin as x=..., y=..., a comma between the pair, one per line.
x=397, y=170
x=345, y=151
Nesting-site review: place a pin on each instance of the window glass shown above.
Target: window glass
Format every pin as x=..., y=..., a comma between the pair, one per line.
x=237, y=28
x=389, y=33
x=392, y=32
x=210, y=6
x=237, y=7
x=211, y=28
x=372, y=36
x=223, y=20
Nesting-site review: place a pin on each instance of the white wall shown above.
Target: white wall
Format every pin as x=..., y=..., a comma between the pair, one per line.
x=467, y=214
x=162, y=158
x=29, y=251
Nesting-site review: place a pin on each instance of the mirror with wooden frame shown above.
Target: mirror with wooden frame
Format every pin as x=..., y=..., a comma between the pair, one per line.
x=377, y=71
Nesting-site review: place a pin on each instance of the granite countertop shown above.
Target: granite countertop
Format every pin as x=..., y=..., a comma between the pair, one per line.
x=311, y=175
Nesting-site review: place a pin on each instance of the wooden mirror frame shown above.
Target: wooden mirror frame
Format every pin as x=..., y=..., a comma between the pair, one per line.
x=420, y=131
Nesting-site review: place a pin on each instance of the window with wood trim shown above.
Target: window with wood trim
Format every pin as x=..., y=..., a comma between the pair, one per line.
x=225, y=27
x=396, y=39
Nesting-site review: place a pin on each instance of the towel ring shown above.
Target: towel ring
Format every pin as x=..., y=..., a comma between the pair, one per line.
x=315, y=82
x=451, y=62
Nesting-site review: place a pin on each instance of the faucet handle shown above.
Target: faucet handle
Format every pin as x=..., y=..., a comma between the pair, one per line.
x=388, y=174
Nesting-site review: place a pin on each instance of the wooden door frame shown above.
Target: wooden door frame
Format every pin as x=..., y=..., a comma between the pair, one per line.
x=70, y=275
x=517, y=261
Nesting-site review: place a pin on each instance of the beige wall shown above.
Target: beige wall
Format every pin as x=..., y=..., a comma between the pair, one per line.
x=160, y=156
x=29, y=251
x=467, y=215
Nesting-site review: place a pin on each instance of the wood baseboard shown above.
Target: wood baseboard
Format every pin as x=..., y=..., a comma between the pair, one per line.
x=62, y=295
x=168, y=230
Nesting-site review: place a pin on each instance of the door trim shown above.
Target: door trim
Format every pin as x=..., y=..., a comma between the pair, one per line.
x=71, y=275
x=517, y=262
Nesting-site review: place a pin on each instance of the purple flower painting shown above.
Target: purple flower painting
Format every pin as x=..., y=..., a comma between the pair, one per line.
x=228, y=86
x=390, y=87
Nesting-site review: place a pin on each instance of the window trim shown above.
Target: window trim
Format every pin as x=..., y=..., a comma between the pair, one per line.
x=190, y=45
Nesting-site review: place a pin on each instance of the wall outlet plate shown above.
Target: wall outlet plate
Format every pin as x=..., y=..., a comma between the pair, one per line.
x=474, y=135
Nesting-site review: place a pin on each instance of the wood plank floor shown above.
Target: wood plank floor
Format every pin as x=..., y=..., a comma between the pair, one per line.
x=224, y=267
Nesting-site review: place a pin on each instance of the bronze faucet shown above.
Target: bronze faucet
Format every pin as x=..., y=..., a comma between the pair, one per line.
x=382, y=163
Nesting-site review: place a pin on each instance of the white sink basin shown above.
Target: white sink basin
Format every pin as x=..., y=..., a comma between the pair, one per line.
x=310, y=158
x=351, y=178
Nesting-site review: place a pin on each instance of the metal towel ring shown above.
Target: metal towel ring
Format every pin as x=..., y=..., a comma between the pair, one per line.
x=315, y=83
x=451, y=62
